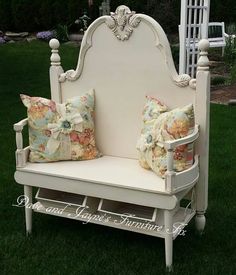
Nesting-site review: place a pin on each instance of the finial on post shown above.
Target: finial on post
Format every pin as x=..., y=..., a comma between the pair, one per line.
x=203, y=61
x=55, y=57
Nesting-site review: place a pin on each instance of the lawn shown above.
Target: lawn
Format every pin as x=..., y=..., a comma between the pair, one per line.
x=62, y=246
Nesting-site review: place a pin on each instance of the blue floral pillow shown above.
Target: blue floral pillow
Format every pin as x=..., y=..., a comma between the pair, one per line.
x=61, y=131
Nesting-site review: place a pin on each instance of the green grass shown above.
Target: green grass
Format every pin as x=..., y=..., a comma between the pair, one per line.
x=62, y=246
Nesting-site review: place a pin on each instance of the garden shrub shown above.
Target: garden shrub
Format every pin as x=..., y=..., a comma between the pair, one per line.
x=36, y=15
x=230, y=52
x=233, y=74
x=218, y=80
x=62, y=33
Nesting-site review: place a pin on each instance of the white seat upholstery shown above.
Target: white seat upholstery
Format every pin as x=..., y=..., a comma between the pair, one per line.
x=115, y=171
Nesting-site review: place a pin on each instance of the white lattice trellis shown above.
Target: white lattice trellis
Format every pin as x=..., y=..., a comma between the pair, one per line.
x=193, y=27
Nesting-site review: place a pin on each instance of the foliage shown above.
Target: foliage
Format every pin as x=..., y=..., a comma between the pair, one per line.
x=62, y=33
x=223, y=10
x=175, y=54
x=2, y=40
x=218, y=80
x=233, y=74
x=231, y=28
x=45, y=35
x=167, y=13
x=230, y=52
x=28, y=15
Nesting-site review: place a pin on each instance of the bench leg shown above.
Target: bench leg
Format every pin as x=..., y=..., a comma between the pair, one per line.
x=28, y=209
x=223, y=51
x=168, y=219
x=200, y=221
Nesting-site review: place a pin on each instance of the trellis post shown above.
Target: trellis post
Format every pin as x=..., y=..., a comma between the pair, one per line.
x=193, y=27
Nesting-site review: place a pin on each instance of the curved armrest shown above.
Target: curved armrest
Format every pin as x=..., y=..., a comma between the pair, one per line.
x=18, y=127
x=21, y=153
x=172, y=144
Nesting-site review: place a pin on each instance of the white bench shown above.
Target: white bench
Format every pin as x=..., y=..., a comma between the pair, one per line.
x=216, y=36
x=124, y=57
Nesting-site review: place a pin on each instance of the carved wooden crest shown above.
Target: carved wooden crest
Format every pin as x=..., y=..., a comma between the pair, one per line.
x=122, y=22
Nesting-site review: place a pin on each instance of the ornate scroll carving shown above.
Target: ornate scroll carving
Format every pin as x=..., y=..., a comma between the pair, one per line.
x=68, y=75
x=193, y=83
x=122, y=22
x=182, y=80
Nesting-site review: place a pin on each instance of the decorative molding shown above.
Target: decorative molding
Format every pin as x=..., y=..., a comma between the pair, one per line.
x=182, y=80
x=55, y=57
x=203, y=61
x=122, y=22
x=68, y=75
x=193, y=83
x=72, y=75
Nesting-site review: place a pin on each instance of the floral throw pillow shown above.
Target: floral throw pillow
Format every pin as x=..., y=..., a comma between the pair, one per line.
x=161, y=125
x=61, y=131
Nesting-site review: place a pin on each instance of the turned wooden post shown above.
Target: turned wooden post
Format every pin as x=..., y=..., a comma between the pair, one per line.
x=55, y=70
x=28, y=209
x=168, y=220
x=170, y=173
x=202, y=111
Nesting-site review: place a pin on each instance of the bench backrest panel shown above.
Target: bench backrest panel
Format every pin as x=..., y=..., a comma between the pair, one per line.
x=122, y=73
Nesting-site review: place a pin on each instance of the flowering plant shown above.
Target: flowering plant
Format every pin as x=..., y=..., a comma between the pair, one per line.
x=45, y=35
x=2, y=40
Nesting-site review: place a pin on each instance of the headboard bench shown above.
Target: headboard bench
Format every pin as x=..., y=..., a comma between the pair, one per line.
x=124, y=57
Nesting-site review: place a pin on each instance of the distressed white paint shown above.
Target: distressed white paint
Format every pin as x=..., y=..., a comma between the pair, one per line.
x=202, y=113
x=28, y=208
x=122, y=72
x=55, y=70
x=168, y=221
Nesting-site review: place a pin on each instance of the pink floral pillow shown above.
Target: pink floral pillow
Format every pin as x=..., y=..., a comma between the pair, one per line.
x=61, y=131
x=163, y=125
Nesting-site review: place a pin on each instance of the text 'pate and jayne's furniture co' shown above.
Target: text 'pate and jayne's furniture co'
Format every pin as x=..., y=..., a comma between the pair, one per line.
x=124, y=57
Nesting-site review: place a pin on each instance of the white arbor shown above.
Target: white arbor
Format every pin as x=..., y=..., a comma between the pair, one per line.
x=193, y=27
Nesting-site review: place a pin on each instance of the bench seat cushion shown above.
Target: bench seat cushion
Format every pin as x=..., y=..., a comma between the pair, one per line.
x=108, y=170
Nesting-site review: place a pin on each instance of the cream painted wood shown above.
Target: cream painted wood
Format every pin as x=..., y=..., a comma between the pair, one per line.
x=114, y=171
x=125, y=71
x=182, y=215
x=21, y=153
x=124, y=57
x=131, y=211
x=55, y=71
x=172, y=144
x=168, y=221
x=202, y=113
x=28, y=210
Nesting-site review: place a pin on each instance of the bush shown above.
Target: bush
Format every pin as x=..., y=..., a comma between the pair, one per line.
x=35, y=15
x=233, y=74
x=46, y=35
x=218, y=80
x=175, y=54
x=62, y=33
x=230, y=52
x=231, y=28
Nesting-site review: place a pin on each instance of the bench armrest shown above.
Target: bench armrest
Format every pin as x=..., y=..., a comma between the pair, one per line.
x=21, y=153
x=172, y=144
x=18, y=127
